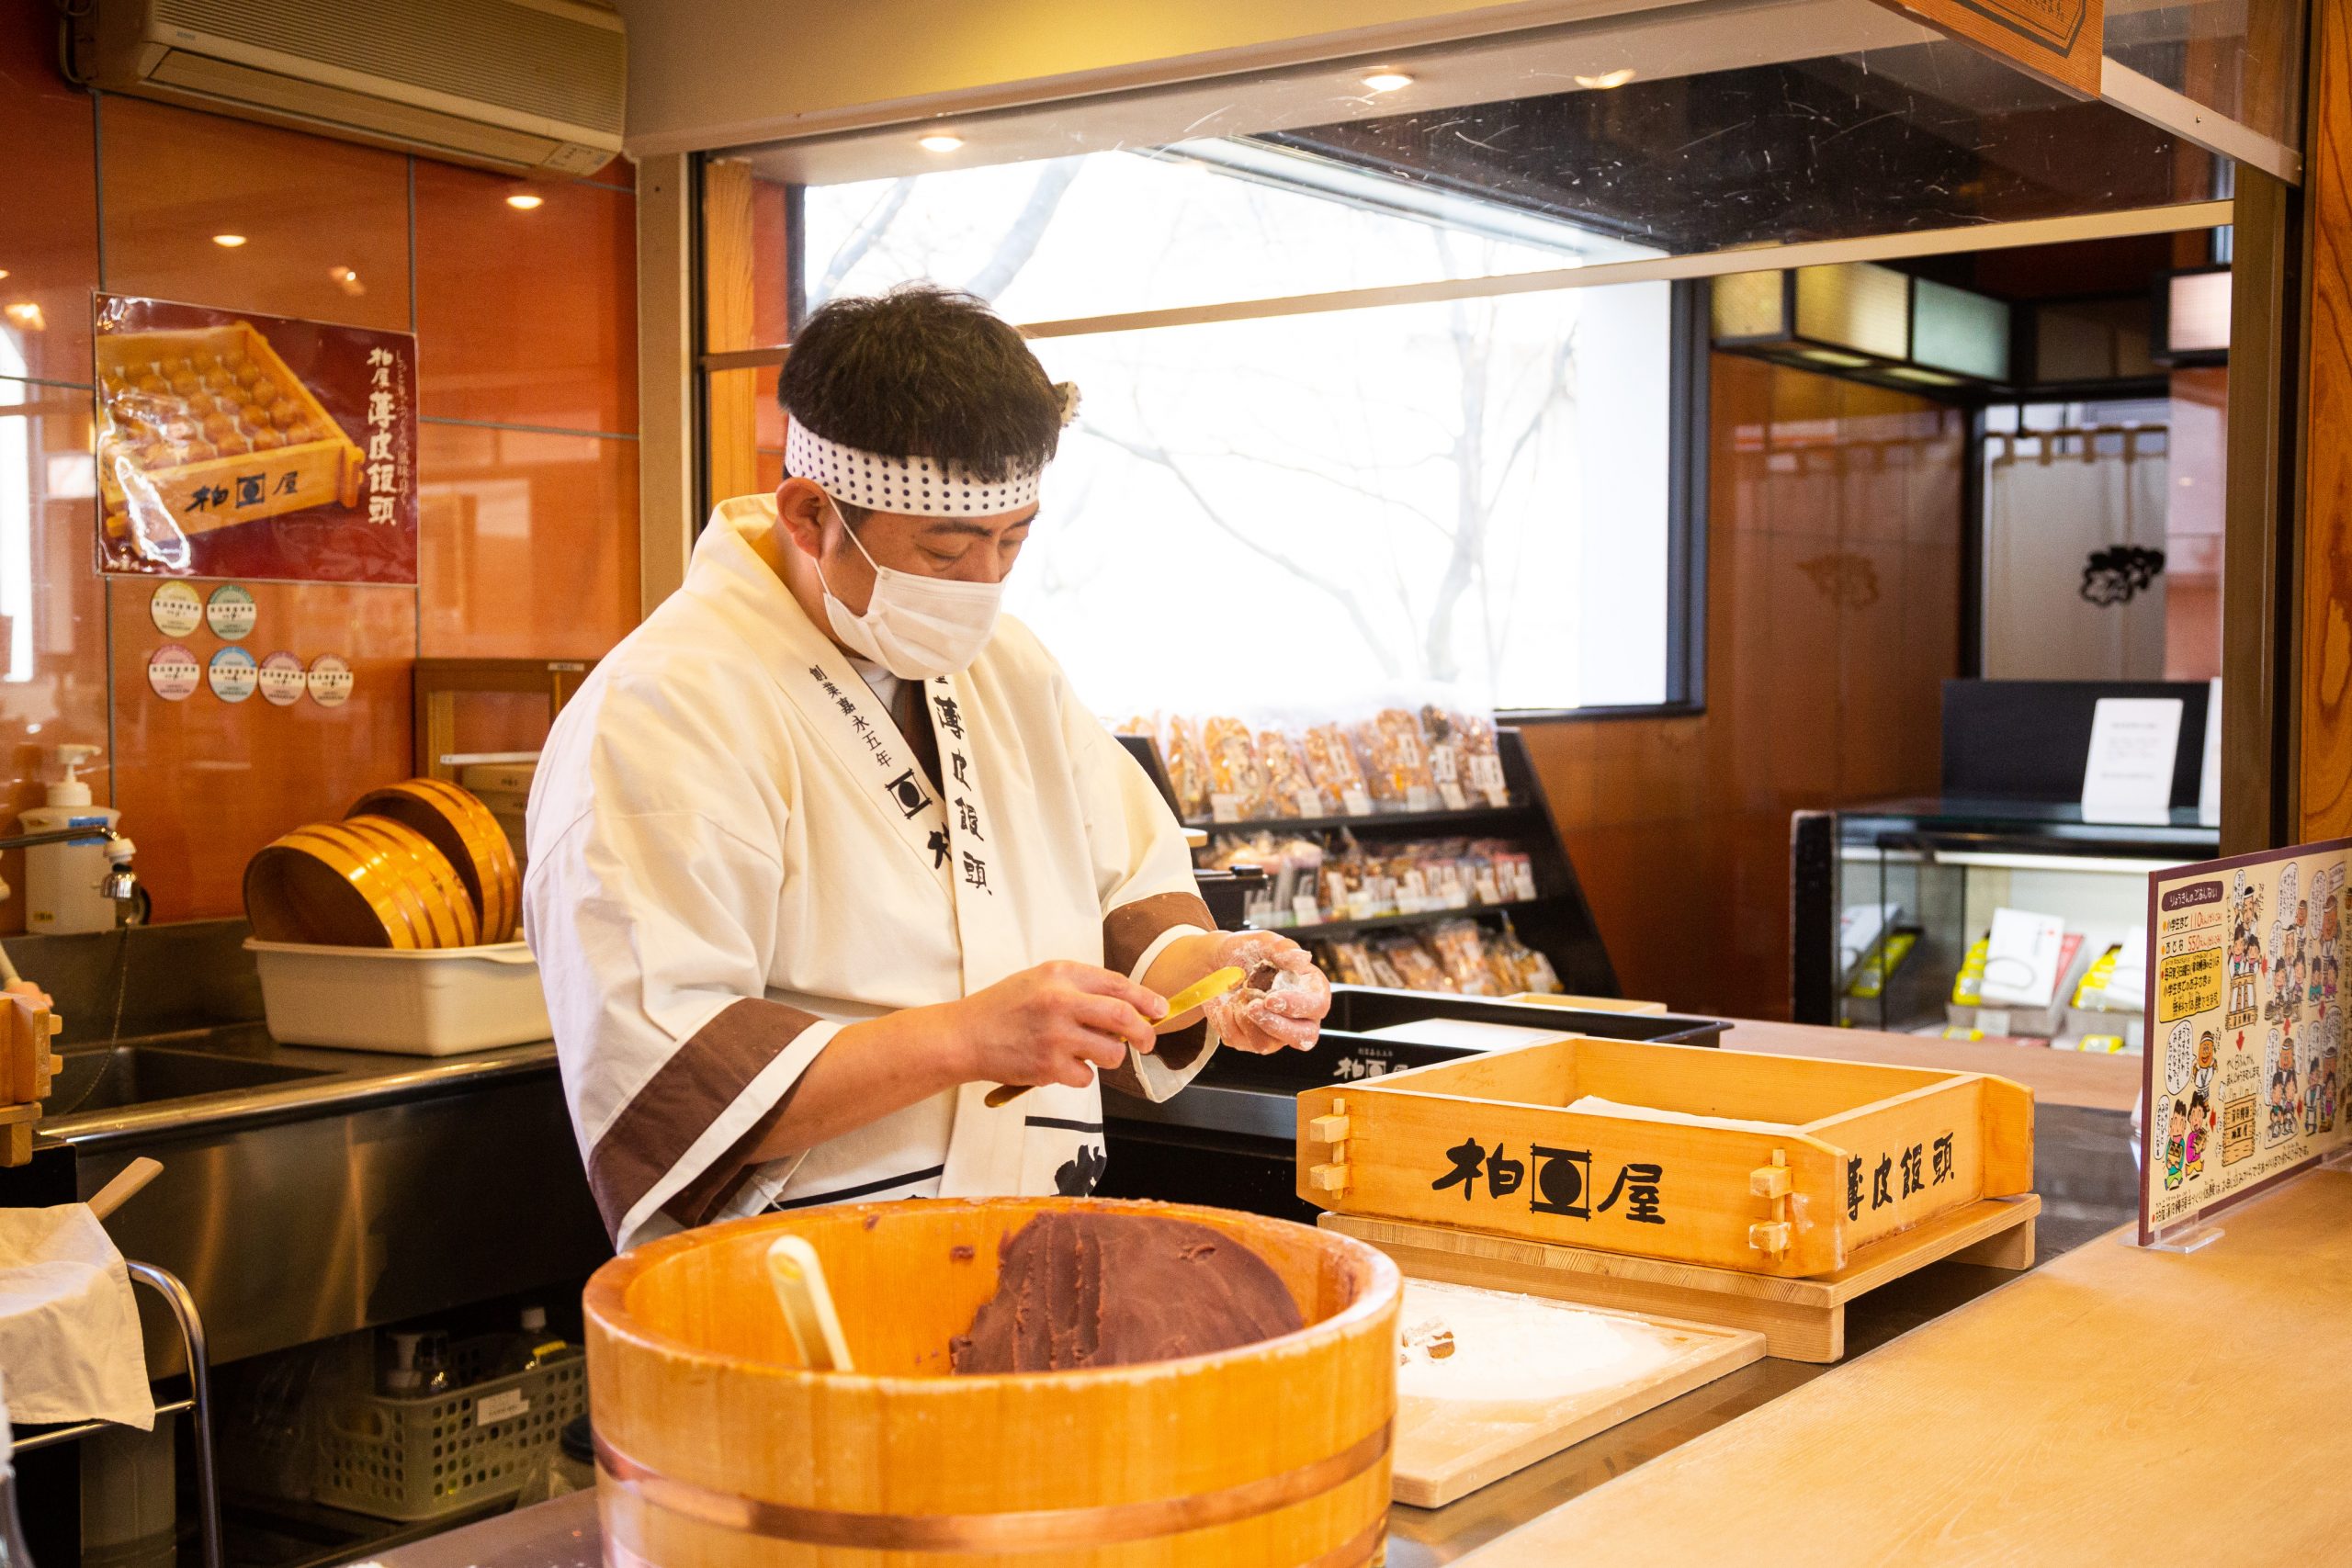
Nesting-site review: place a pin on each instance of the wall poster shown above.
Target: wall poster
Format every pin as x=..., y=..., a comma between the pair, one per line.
x=232, y=444
x=2245, y=1073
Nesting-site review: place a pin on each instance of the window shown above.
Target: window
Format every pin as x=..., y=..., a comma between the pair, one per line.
x=1483, y=493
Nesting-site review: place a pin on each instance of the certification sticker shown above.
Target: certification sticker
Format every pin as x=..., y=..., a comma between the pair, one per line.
x=231, y=613
x=330, y=681
x=172, y=671
x=175, y=609
x=234, y=675
x=282, y=681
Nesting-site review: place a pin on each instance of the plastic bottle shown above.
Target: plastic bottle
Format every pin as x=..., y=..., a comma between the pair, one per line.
x=532, y=1347
x=419, y=1366
x=14, y=1553
x=61, y=880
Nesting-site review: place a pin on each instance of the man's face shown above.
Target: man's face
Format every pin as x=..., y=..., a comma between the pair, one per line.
x=964, y=549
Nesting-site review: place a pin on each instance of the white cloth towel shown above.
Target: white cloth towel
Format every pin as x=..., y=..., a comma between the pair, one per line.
x=69, y=1329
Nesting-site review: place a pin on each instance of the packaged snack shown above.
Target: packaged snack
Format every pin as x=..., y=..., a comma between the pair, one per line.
x=1461, y=953
x=1443, y=732
x=1290, y=789
x=1395, y=762
x=1482, y=763
x=1188, y=768
x=1237, y=786
x=1528, y=969
x=1416, y=966
x=1333, y=767
x=1348, y=961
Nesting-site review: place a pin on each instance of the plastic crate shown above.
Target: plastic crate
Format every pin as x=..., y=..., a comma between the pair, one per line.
x=421, y=1459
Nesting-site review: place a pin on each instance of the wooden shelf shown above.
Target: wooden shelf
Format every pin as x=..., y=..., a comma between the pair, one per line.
x=1387, y=922
x=1380, y=819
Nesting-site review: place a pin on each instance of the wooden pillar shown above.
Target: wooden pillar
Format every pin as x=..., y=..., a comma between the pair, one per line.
x=665, y=371
x=2324, y=771
x=2257, y=578
x=730, y=410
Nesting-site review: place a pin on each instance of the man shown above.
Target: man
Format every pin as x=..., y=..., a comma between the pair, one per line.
x=825, y=851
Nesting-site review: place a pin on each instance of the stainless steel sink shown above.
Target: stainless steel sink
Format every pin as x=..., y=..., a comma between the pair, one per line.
x=142, y=1075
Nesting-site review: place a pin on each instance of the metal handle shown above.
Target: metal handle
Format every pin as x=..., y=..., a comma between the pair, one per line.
x=199, y=1382
x=199, y=1405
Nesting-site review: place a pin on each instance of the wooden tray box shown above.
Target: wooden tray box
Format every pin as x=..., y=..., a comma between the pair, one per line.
x=1486, y=1144
x=293, y=477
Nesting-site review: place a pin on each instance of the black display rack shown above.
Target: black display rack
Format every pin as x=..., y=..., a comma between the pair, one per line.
x=1556, y=922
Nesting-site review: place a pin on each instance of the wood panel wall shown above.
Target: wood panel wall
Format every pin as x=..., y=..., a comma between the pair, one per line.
x=524, y=320
x=2325, y=553
x=1834, y=553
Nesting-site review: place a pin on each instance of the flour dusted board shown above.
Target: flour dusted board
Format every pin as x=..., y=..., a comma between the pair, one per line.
x=2244, y=1080
x=1519, y=1378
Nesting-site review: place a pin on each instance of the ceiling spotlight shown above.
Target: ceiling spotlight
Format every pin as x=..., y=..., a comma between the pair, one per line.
x=524, y=201
x=348, y=280
x=227, y=242
x=1387, y=81
x=4, y=272
x=25, y=314
x=940, y=142
x=1608, y=79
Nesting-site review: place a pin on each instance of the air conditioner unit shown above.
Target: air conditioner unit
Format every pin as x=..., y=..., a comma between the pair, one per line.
x=516, y=86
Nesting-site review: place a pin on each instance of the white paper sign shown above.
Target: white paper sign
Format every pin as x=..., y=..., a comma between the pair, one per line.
x=2021, y=959
x=2128, y=777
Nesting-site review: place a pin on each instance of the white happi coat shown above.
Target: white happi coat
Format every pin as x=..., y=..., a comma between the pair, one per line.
x=734, y=852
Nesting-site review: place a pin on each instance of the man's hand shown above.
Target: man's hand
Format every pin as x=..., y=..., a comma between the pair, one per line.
x=1283, y=1003
x=1056, y=1023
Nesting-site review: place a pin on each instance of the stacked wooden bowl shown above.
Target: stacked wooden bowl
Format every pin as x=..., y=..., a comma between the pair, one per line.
x=416, y=865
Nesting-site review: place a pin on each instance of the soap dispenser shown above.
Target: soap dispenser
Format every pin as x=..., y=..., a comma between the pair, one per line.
x=63, y=880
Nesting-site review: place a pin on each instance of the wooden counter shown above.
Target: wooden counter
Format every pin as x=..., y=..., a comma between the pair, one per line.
x=2113, y=1405
x=2094, y=1081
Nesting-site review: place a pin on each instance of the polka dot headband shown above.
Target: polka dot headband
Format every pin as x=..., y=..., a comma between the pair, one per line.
x=916, y=486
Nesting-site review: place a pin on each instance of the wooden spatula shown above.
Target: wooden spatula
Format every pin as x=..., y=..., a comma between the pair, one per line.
x=127, y=1180
x=1200, y=993
x=799, y=1282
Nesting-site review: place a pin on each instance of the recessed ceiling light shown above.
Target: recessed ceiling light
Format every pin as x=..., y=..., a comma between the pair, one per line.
x=1608, y=79
x=940, y=142
x=1387, y=81
x=227, y=242
x=348, y=280
x=1831, y=356
x=4, y=272
x=1924, y=378
x=524, y=201
x=25, y=314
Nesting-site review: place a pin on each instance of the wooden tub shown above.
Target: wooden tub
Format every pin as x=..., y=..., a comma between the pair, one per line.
x=716, y=1446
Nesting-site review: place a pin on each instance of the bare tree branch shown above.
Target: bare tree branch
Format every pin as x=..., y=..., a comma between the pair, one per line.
x=1020, y=241
x=1346, y=601
x=862, y=238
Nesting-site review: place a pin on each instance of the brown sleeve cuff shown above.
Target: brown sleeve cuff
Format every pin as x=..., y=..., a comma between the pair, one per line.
x=706, y=1072
x=1128, y=929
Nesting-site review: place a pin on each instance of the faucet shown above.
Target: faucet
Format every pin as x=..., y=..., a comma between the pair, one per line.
x=120, y=884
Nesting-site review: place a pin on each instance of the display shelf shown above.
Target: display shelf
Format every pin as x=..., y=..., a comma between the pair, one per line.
x=1382, y=821
x=1329, y=930
x=1557, y=923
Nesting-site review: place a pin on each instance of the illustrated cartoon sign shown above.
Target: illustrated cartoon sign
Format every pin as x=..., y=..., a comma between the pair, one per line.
x=2243, y=1074
x=237, y=444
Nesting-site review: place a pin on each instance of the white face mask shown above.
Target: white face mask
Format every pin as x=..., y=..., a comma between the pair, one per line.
x=915, y=627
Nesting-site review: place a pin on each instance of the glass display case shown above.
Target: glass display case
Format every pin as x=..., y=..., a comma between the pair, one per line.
x=1895, y=902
